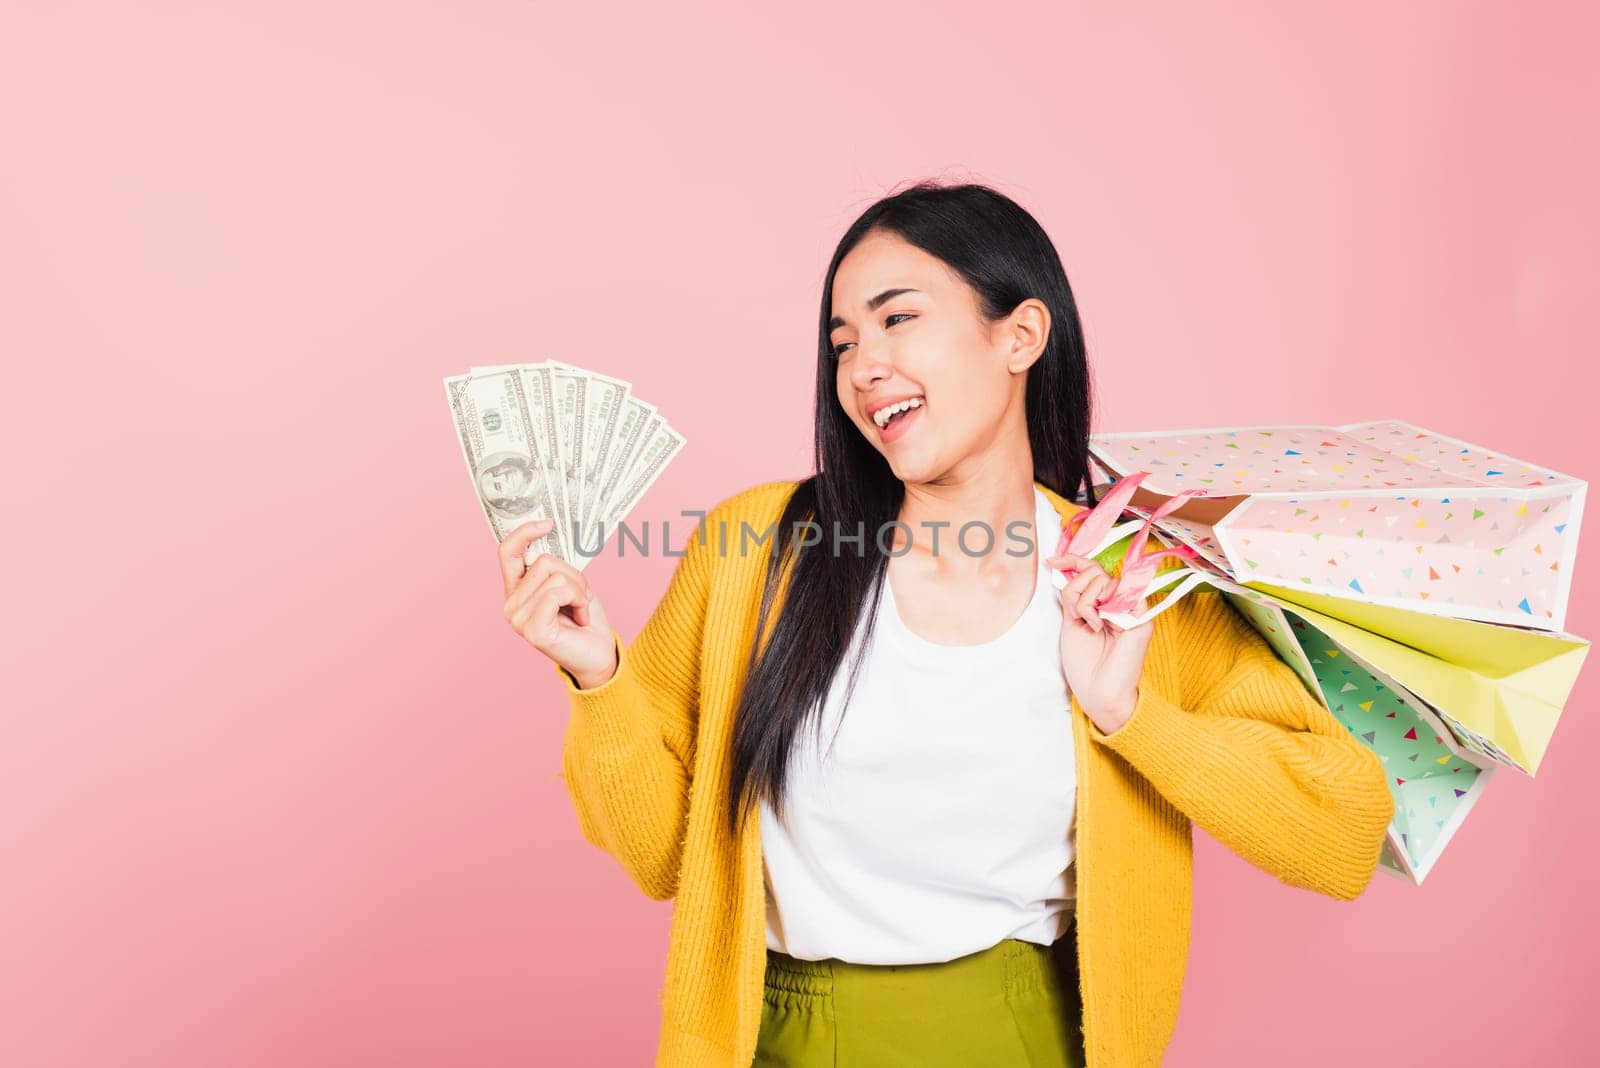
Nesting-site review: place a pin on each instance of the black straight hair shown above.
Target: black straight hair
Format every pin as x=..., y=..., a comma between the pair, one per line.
x=1001, y=251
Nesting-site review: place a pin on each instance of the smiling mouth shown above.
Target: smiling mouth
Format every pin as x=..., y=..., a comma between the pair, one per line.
x=896, y=425
x=890, y=414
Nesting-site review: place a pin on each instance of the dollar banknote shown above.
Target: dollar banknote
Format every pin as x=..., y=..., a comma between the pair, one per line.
x=494, y=424
x=658, y=447
x=590, y=449
x=539, y=384
x=632, y=432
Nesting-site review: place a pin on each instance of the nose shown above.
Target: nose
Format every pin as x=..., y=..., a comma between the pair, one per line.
x=868, y=368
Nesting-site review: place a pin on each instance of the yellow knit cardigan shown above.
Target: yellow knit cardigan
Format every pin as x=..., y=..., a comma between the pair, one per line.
x=1224, y=734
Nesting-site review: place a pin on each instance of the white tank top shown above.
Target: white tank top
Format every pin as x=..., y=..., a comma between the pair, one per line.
x=941, y=819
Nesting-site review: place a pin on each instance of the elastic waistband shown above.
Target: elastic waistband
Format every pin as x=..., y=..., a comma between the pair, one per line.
x=1012, y=964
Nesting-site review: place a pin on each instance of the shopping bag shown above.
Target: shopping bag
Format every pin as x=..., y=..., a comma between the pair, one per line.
x=1432, y=776
x=1434, y=780
x=1511, y=681
x=1498, y=690
x=1385, y=513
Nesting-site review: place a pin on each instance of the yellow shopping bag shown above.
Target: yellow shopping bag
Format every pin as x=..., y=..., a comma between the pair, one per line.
x=1500, y=689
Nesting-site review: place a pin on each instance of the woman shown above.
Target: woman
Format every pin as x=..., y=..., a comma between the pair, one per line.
x=988, y=860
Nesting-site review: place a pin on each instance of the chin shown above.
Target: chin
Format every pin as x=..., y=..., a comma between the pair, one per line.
x=913, y=469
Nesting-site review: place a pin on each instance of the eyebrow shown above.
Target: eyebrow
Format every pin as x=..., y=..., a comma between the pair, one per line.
x=872, y=305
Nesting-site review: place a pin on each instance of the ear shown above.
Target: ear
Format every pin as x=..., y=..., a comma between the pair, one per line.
x=1024, y=333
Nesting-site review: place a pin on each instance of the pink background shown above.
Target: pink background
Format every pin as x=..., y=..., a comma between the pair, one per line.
x=278, y=785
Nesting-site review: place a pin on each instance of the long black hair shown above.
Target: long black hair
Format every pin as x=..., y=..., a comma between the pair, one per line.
x=1005, y=256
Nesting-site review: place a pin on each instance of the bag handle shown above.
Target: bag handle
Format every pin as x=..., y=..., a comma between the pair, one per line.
x=1084, y=531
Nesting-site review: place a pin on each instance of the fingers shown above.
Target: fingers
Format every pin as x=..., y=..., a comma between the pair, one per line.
x=1071, y=563
x=1084, y=589
x=1089, y=599
x=515, y=547
x=544, y=568
x=1080, y=571
x=549, y=574
x=533, y=609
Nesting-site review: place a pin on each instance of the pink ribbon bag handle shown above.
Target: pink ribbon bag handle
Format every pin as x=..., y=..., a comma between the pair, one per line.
x=1081, y=533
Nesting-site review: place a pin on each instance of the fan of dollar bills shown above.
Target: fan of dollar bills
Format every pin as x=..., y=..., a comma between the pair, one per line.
x=553, y=441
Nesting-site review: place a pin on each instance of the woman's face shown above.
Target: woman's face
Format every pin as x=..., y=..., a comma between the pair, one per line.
x=926, y=341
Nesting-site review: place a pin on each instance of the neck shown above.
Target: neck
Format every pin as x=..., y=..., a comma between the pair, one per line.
x=996, y=491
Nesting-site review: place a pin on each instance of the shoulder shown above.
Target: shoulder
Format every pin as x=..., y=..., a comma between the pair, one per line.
x=748, y=518
x=736, y=534
x=762, y=502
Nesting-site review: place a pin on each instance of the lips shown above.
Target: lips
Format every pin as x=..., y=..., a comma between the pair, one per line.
x=899, y=425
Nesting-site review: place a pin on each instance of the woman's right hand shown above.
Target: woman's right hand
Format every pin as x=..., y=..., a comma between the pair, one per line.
x=549, y=603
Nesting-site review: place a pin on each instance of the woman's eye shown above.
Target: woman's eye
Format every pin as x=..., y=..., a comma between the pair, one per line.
x=839, y=348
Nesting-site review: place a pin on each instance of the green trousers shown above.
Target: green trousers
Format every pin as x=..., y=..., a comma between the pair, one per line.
x=1013, y=1004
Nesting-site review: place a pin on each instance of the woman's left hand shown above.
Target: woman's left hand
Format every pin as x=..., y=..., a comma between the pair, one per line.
x=1101, y=661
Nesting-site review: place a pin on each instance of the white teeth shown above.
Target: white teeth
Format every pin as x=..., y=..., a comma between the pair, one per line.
x=881, y=416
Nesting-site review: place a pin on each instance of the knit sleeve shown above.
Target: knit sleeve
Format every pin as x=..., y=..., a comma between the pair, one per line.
x=1254, y=759
x=628, y=748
